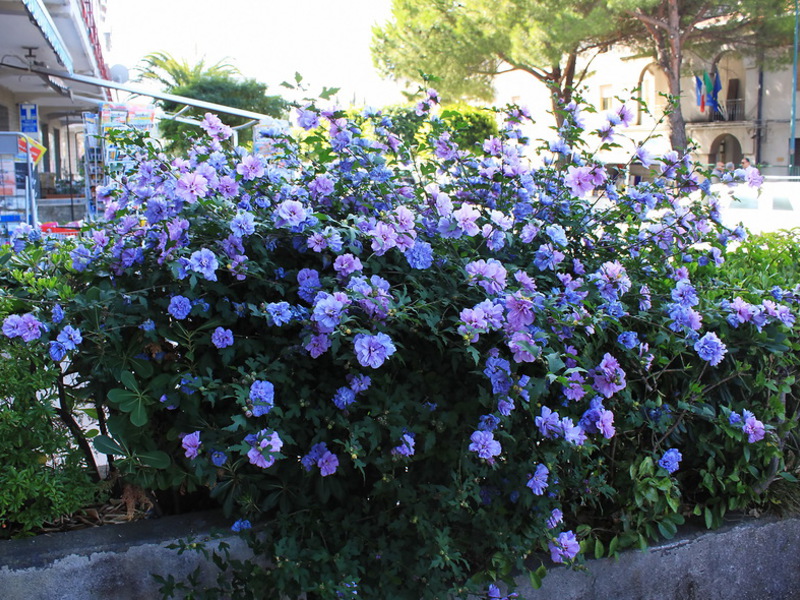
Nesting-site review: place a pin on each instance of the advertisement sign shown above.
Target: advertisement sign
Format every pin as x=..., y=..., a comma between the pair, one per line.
x=37, y=150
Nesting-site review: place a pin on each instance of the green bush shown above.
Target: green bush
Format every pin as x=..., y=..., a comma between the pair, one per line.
x=44, y=474
x=413, y=369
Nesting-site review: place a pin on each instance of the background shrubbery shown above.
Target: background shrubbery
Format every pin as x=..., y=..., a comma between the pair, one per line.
x=406, y=367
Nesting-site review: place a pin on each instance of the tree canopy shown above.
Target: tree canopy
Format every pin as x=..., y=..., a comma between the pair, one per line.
x=465, y=44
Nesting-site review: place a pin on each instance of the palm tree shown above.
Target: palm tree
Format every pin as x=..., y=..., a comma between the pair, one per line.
x=173, y=73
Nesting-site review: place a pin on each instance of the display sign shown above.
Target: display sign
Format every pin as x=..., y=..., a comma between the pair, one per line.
x=29, y=118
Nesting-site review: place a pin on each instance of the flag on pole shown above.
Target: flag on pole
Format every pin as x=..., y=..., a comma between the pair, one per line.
x=716, y=90
x=709, y=92
x=701, y=97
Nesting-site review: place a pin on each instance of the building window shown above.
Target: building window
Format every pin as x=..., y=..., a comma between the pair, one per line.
x=5, y=124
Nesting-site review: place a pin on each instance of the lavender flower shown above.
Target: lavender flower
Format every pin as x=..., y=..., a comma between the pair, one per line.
x=538, y=481
x=564, y=548
x=373, y=350
x=191, y=444
x=484, y=444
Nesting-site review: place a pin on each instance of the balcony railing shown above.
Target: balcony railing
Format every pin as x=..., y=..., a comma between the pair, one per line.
x=729, y=110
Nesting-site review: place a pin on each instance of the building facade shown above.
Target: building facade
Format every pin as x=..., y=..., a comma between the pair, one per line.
x=63, y=36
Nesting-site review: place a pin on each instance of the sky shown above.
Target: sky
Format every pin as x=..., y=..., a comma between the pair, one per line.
x=326, y=41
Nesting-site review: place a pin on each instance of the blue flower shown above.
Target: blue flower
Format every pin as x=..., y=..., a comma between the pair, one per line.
x=262, y=395
x=710, y=348
x=241, y=525
x=204, y=261
x=670, y=460
x=629, y=339
x=344, y=397
x=57, y=351
x=420, y=255
x=70, y=337
x=222, y=338
x=219, y=458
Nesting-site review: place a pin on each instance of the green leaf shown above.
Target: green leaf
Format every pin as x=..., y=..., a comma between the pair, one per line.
x=156, y=459
x=139, y=415
x=128, y=380
x=613, y=545
x=120, y=396
x=599, y=549
x=788, y=476
x=105, y=445
x=554, y=363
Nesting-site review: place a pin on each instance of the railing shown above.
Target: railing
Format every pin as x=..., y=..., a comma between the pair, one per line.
x=729, y=110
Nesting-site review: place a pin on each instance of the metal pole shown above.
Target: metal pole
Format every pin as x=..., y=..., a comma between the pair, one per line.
x=794, y=90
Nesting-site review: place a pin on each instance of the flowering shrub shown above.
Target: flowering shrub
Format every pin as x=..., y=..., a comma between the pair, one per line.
x=409, y=370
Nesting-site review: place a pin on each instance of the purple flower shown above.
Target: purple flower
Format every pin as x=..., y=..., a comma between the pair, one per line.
x=484, y=444
x=191, y=444
x=579, y=180
x=279, y=312
x=359, y=383
x=538, y=481
x=179, y=307
x=346, y=264
x=307, y=119
x=219, y=458
x=609, y=378
x=605, y=424
x=328, y=463
x=710, y=348
x=251, y=167
x=490, y=275
x=548, y=422
x=192, y=186
x=629, y=339
x=318, y=345
x=262, y=395
x=671, y=460
x=222, y=338
x=753, y=428
x=685, y=294
x=373, y=350
x=556, y=517
x=321, y=186
x=204, y=261
x=564, y=548
x=270, y=443
x=30, y=328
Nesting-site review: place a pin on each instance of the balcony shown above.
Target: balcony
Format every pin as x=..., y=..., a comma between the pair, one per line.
x=729, y=110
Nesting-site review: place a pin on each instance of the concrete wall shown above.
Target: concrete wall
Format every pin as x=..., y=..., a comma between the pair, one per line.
x=753, y=560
